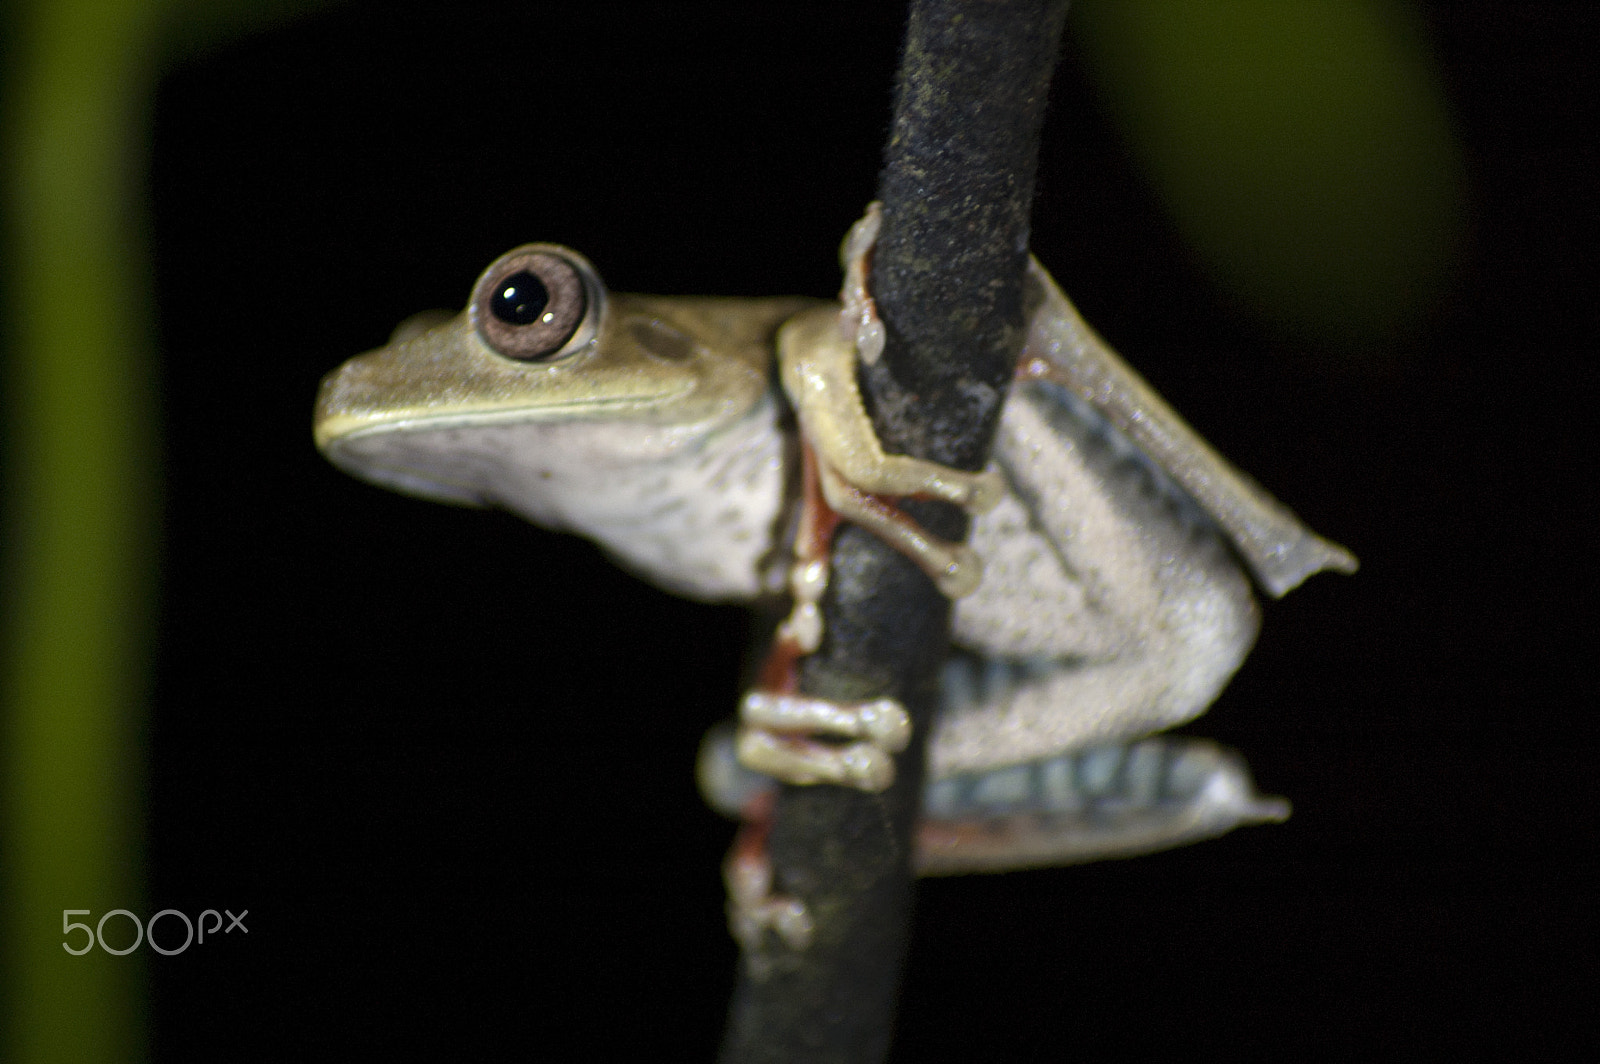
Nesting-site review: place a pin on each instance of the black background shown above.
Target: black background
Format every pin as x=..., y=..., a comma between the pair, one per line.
x=444, y=759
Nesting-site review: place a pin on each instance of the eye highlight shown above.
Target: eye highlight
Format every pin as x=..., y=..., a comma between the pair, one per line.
x=520, y=299
x=536, y=303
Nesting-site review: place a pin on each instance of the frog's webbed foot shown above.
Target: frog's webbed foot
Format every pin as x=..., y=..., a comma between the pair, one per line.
x=817, y=355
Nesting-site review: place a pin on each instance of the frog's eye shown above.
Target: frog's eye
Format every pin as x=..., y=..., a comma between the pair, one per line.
x=536, y=304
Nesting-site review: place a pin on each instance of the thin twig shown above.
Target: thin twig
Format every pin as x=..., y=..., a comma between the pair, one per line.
x=957, y=187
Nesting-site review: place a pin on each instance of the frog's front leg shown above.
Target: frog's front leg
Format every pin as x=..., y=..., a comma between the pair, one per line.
x=818, y=355
x=818, y=365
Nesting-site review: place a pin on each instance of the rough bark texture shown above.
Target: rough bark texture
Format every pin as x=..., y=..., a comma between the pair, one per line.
x=957, y=187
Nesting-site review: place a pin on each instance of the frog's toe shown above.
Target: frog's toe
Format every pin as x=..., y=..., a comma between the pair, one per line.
x=776, y=738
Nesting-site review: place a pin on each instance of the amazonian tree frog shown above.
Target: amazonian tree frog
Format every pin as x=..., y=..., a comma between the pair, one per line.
x=1103, y=596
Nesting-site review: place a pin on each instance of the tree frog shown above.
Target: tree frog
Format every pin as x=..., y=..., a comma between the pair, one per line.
x=1103, y=596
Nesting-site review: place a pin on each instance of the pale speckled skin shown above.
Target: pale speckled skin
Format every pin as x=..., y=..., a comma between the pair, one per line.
x=660, y=436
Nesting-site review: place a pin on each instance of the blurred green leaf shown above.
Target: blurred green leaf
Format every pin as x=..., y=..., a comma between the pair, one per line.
x=1303, y=148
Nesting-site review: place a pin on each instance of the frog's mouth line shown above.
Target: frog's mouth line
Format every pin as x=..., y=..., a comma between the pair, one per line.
x=462, y=457
x=329, y=429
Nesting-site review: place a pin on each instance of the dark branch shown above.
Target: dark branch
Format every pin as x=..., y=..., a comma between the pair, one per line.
x=957, y=187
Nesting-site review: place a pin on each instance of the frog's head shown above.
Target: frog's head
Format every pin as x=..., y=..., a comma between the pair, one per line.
x=454, y=407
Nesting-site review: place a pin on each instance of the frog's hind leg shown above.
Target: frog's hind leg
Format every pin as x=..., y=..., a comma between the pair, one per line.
x=1088, y=805
x=1111, y=608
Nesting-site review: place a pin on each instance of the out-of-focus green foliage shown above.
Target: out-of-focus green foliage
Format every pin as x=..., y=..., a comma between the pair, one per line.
x=1302, y=146
x=80, y=492
x=80, y=501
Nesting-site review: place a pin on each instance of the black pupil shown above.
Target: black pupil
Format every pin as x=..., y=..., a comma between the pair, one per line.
x=520, y=299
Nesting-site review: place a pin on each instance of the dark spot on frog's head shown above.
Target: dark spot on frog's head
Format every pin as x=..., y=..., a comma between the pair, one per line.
x=660, y=339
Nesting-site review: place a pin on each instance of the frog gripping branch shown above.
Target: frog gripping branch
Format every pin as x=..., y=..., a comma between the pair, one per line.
x=1080, y=634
